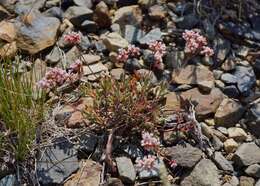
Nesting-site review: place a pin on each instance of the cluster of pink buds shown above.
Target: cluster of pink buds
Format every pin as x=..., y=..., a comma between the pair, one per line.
x=173, y=163
x=147, y=163
x=130, y=51
x=76, y=66
x=57, y=76
x=159, y=50
x=149, y=142
x=196, y=43
x=54, y=77
x=72, y=38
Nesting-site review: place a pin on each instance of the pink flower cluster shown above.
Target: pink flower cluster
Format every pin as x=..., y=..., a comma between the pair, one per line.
x=196, y=43
x=76, y=66
x=53, y=78
x=149, y=142
x=131, y=51
x=159, y=50
x=57, y=76
x=72, y=38
x=147, y=163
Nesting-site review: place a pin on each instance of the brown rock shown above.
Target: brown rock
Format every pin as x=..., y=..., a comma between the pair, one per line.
x=128, y=15
x=7, y=31
x=237, y=134
x=205, y=103
x=88, y=59
x=246, y=181
x=229, y=112
x=230, y=145
x=157, y=12
x=172, y=102
x=38, y=34
x=8, y=50
x=114, y=41
x=88, y=175
x=94, y=68
x=101, y=15
x=192, y=75
x=117, y=73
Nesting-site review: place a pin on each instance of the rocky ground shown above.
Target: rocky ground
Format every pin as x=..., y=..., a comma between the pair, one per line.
x=224, y=88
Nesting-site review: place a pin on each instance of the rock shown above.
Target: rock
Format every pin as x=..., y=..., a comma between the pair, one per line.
x=128, y=15
x=3, y=13
x=187, y=21
x=183, y=87
x=54, y=56
x=231, y=91
x=117, y=73
x=185, y=155
x=89, y=26
x=85, y=43
x=144, y=73
x=246, y=79
x=174, y=59
x=221, y=47
x=54, y=12
x=228, y=65
x=126, y=169
x=132, y=34
x=237, y=134
x=83, y=3
x=229, y=78
x=7, y=31
x=153, y=173
x=8, y=4
x=253, y=117
x=88, y=59
x=192, y=75
x=220, y=135
x=153, y=35
x=132, y=150
x=77, y=14
x=247, y=154
x=94, y=68
x=230, y=145
x=39, y=35
x=206, y=86
x=101, y=15
x=217, y=143
x=114, y=41
x=87, y=144
x=206, y=130
x=257, y=183
x=217, y=74
x=71, y=56
x=146, y=3
x=222, y=163
x=157, y=12
x=57, y=162
x=204, y=173
x=205, y=104
x=9, y=180
x=9, y=50
x=115, y=182
x=172, y=101
x=132, y=65
x=229, y=112
x=88, y=175
x=253, y=170
x=246, y=181
x=24, y=7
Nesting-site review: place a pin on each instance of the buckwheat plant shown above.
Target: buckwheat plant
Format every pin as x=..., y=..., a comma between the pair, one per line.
x=57, y=76
x=73, y=38
x=130, y=51
x=196, y=43
x=159, y=50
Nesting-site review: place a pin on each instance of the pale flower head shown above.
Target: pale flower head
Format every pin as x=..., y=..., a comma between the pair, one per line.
x=147, y=163
x=72, y=38
x=149, y=142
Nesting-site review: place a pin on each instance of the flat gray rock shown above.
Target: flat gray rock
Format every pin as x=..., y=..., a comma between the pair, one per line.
x=57, y=162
